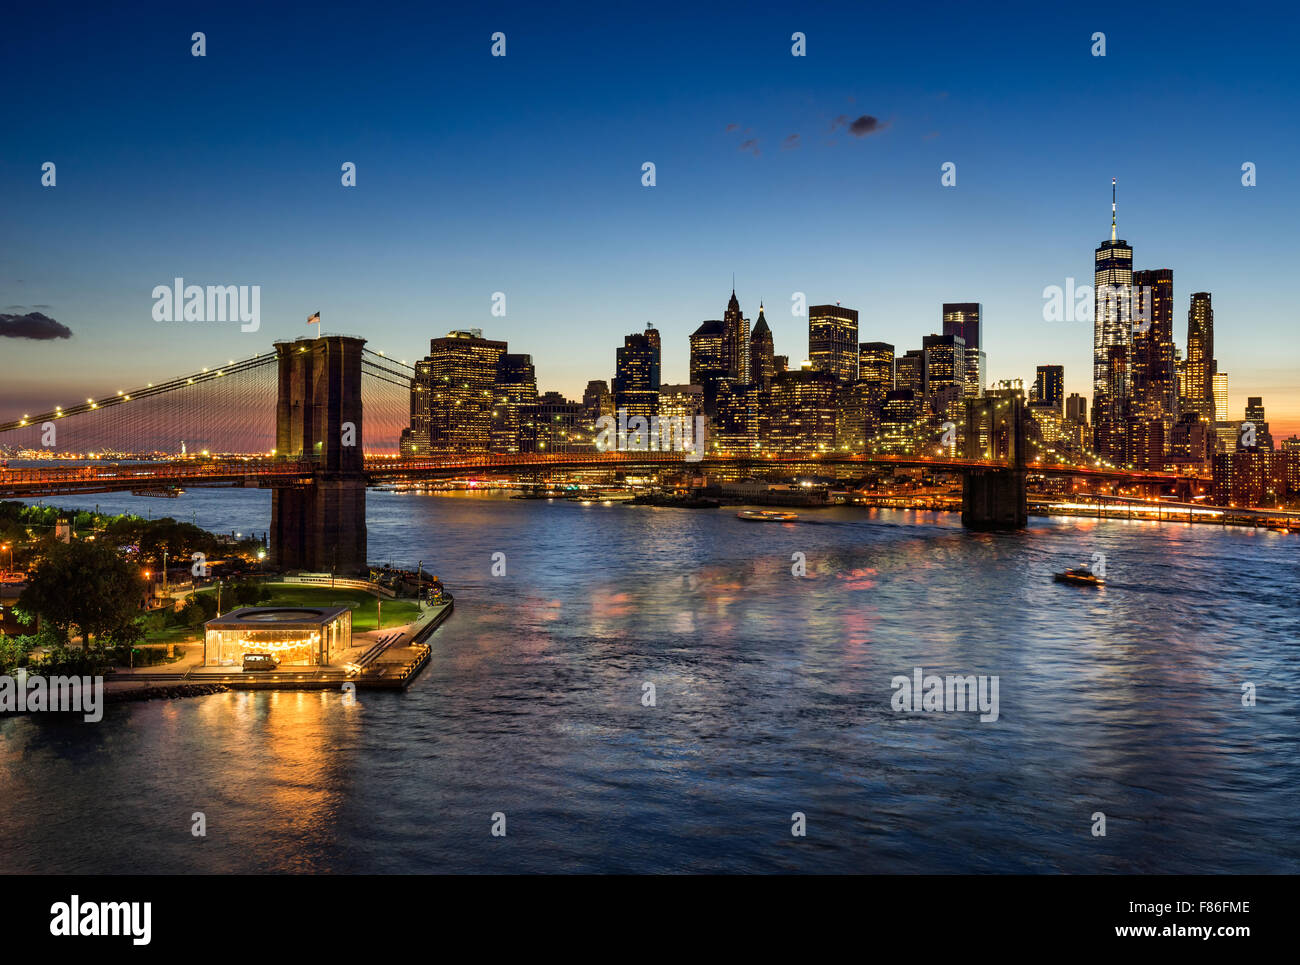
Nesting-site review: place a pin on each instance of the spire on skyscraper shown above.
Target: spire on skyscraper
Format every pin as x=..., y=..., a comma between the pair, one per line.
x=1113, y=231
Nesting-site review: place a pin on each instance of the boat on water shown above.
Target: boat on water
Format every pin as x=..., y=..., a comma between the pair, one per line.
x=601, y=496
x=766, y=516
x=1081, y=576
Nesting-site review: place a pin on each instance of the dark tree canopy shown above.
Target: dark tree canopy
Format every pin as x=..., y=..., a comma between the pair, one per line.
x=87, y=588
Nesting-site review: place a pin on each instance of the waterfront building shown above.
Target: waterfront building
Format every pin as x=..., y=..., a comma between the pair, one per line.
x=833, y=341
x=1252, y=477
x=295, y=636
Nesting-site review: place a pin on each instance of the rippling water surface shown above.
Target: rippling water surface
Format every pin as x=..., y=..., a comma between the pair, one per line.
x=773, y=696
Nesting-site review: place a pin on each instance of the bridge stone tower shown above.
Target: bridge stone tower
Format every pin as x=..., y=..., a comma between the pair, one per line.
x=319, y=523
x=995, y=498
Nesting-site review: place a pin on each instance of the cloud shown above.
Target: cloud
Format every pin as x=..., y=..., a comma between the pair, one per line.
x=751, y=145
x=866, y=124
x=733, y=127
x=33, y=325
x=859, y=126
x=790, y=142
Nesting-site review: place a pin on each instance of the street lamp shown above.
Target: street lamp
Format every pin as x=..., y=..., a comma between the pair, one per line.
x=6, y=546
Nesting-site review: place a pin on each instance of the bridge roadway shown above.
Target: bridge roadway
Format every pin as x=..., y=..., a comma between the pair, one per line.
x=263, y=472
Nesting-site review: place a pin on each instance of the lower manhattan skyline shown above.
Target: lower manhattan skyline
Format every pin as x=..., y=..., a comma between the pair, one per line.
x=687, y=440
x=582, y=250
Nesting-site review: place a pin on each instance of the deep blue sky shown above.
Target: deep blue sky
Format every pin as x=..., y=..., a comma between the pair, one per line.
x=523, y=174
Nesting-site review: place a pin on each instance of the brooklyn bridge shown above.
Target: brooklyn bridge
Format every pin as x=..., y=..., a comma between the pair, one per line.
x=318, y=420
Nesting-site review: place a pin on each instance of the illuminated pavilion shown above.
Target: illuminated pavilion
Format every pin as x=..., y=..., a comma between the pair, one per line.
x=297, y=636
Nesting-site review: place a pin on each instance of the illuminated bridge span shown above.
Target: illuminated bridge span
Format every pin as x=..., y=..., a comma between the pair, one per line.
x=269, y=471
x=456, y=464
x=220, y=409
x=328, y=414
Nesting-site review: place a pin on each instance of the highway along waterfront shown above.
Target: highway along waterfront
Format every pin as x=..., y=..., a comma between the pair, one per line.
x=772, y=694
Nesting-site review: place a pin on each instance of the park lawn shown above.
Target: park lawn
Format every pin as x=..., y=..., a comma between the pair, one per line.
x=170, y=635
x=395, y=612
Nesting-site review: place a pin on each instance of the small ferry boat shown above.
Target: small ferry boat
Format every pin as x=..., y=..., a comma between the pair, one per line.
x=766, y=516
x=1081, y=576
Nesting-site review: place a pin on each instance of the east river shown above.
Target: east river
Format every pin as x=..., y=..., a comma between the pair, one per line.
x=772, y=695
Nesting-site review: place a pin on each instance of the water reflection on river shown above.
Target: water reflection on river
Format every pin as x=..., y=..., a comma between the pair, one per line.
x=772, y=696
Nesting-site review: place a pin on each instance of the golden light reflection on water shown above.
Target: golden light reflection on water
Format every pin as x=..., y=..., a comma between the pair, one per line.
x=287, y=769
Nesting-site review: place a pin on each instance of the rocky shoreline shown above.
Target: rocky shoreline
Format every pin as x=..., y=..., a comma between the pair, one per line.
x=165, y=693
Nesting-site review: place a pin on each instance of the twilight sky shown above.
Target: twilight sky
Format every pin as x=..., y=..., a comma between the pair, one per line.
x=522, y=174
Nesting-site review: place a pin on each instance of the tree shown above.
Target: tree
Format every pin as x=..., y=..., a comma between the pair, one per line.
x=86, y=585
x=198, y=609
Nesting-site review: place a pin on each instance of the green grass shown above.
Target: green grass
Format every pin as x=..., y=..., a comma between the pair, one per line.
x=170, y=635
x=395, y=612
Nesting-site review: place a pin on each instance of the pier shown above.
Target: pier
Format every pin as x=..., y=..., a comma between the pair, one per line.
x=381, y=660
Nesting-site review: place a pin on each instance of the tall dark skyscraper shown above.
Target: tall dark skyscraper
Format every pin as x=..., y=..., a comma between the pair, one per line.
x=514, y=407
x=833, y=341
x=1198, y=370
x=596, y=402
x=963, y=320
x=636, y=378
x=762, y=366
x=1155, y=379
x=1112, y=338
x=909, y=373
x=735, y=341
x=707, y=353
x=1049, y=387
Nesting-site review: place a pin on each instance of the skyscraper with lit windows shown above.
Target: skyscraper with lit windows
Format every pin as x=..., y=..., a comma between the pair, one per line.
x=1112, y=339
x=833, y=341
x=1198, y=369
